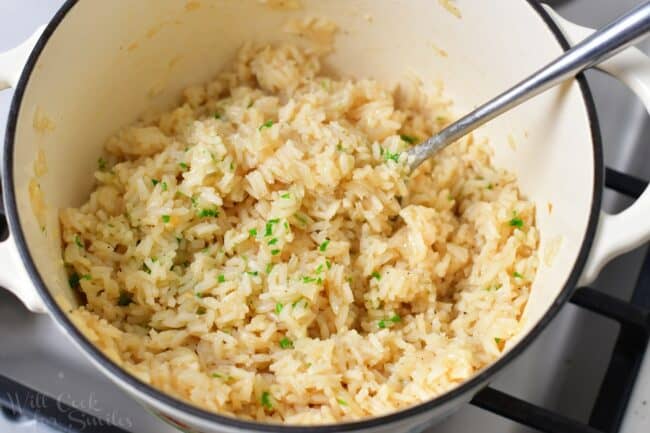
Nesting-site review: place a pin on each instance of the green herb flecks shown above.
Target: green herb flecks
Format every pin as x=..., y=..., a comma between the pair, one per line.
x=252, y=273
x=201, y=310
x=273, y=241
x=198, y=295
x=183, y=166
x=323, y=246
x=165, y=218
x=205, y=213
x=268, y=229
x=384, y=323
x=517, y=275
x=285, y=343
x=328, y=264
x=376, y=275
x=278, y=308
x=125, y=298
x=285, y=196
x=408, y=138
x=266, y=124
x=388, y=156
x=269, y=266
x=77, y=241
x=266, y=400
x=341, y=402
x=319, y=269
x=516, y=222
x=252, y=233
x=155, y=182
x=221, y=278
x=275, y=252
x=101, y=164
x=73, y=280
x=497, y=340
x=163, y=186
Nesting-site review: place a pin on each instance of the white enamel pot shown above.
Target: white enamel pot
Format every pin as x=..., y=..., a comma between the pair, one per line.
x=98, y=65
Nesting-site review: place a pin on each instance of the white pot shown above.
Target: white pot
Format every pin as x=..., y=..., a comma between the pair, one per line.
x=98, y=65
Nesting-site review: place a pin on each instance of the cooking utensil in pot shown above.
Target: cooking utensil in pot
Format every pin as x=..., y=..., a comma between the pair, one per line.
x=99, y=65
x=600, y=46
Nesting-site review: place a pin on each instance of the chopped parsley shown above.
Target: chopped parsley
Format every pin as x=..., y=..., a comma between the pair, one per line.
x=517, y=275
x=376, y=275
x=268, y=229
x=278, y=308
x=204, y=213
x=342, y=402
x=489, y=186
x=252, y=273
x=221, y=278
x=324, y=245
x=217, y=115
x=198, y=295
x=165, y=218
x=201, y=310
x=252, y=232
x=101, y=163
x=285, y=343
x=146, y=268
x=516, y=222
x=155, y=182
x=73, y=281
x=308, y=280
x=319, y=269
x=87, y=277
x=266, y=400
x=77, y=240
x=328, y=264
x=250, y=104
x=339, y=146
x=408, y=138
x=125, y=298
x=217, y=375
x=497, y=340
x=384, y=323
x=391, y=156
x=273, y=241
x=183, y=165
x=163, y=186
x=275, y=252
x=269, y=267
x=266, y=124
x=493, y=288
x=286, y=195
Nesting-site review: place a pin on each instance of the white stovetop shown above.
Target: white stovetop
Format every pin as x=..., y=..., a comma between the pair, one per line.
x=561, y=371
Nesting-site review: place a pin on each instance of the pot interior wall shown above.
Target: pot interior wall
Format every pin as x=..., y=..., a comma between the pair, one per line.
x=108, y=62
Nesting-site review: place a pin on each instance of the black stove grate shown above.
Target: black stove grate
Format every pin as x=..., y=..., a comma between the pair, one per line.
x=607, y=412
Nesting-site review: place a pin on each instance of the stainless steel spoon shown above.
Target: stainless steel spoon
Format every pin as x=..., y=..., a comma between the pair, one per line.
x=603, y=44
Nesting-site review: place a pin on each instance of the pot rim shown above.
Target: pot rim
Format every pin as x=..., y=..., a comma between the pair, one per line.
x=481, y=378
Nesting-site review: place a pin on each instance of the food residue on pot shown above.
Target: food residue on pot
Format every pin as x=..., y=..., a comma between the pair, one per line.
x=42, y=122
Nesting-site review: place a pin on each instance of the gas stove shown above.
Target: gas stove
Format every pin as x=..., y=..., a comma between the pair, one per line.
x=588, y=372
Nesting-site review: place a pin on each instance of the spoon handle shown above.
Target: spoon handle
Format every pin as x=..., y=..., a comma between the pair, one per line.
x=606, y=42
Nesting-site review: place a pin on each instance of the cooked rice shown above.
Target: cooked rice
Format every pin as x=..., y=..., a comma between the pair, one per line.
x=259, y=251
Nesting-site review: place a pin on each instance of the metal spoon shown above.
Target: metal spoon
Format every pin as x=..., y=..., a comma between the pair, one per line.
x=603, y=44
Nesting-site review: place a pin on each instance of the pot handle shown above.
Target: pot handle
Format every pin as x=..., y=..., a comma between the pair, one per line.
x=13, y=276
x=12, y=61
x=622, y=232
